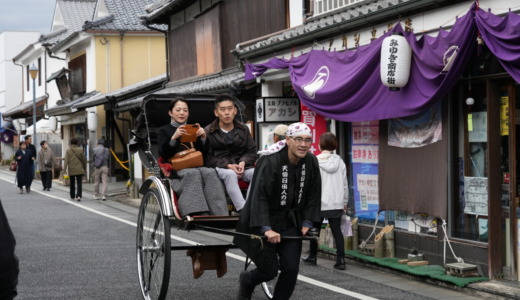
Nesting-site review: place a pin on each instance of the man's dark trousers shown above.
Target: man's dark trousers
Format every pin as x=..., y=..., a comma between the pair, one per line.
x=46, y=179
x=289, y=253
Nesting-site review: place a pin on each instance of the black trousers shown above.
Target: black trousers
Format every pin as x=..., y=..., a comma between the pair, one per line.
x=46, y=179
x=284, y=256
x=335, y=227
x=73, y=192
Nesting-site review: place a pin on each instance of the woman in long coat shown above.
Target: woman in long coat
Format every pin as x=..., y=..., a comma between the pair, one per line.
x=74, y=165
x=24, y=172
x=200, y=190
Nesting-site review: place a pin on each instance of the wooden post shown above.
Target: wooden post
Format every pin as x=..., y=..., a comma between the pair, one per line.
x=348, y=243
x=355, y=234
x=389, y=243
x=379, y=247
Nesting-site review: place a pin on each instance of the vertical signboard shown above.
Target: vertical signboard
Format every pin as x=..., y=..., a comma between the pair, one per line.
x=317, y=124
x=365, y=159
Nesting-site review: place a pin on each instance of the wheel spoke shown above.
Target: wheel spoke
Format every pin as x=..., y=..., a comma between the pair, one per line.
x=153, y=247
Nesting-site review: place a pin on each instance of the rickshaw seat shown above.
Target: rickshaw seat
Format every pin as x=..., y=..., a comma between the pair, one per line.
x=243, y=185
x=166, y=167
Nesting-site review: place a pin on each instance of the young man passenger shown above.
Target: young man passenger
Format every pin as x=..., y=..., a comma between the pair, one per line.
x=231, y=149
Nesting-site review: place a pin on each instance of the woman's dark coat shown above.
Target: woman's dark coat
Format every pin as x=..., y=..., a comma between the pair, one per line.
x=163, y=140
x=25, y=171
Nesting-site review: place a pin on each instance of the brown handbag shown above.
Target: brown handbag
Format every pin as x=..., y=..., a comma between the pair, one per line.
x=189, y=158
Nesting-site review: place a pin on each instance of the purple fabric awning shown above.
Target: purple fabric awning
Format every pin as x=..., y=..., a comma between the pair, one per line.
x=349, y=84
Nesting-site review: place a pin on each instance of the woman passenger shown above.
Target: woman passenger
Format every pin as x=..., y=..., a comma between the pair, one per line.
x=200, y=190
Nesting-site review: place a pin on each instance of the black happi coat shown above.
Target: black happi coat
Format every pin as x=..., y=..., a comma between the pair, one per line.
x=264, y=203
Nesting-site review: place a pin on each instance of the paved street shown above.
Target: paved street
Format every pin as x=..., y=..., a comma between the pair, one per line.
x=86, y=250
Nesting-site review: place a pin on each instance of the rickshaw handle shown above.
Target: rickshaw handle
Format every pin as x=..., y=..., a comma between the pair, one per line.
x=310, y=237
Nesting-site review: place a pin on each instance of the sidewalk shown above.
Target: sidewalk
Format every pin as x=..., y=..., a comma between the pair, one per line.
x=427, y=287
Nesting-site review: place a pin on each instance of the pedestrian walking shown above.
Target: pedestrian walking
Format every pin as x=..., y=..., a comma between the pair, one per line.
x=101, y=155
x=334, y=197
x=74, y=166
x=25, y=171
x=284, y=200
x=45, y=160
x=32, y=148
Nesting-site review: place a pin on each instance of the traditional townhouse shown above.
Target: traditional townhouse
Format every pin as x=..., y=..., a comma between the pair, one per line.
x=69, y=17
x=110, y=51
x=15, y=89
x=200, y=36
x=436, y=156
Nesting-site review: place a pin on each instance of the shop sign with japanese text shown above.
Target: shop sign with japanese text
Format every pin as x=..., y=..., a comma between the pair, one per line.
x=277, y=110
x=317, y=124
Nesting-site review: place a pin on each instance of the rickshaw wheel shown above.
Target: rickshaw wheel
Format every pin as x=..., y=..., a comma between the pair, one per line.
x=153, y=247
x=268, y=288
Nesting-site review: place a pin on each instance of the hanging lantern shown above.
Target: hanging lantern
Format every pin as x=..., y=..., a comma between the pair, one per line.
x=53, y=123
x=396, y=57
x=92, y=121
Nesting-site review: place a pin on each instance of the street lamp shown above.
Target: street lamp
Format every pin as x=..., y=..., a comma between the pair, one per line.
x=33, y=70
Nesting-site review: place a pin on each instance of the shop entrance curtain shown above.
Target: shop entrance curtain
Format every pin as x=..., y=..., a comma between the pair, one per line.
x=346, y=85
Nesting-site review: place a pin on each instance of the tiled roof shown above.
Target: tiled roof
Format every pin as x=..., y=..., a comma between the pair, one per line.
x=60, y=72
x=68, y=108
x=74, y=14
x=159, y=11
x=124, y=93
x=197, y=85
x=124, y=15
x=129, y=104
x=204, y=84
x=21, y=110
x=361, y=14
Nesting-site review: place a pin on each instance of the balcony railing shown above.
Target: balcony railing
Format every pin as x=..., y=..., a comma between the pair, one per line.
x=325, y=6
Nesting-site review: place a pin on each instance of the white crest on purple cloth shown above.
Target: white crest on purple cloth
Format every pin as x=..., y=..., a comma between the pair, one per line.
x=295, y=129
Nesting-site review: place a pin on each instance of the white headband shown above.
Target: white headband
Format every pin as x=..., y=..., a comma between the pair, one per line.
x=295, y=129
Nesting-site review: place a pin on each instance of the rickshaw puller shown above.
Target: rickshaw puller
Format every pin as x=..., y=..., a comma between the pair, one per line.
x=284, y=200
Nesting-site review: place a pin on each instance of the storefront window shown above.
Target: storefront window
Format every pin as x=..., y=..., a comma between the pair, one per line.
x=470, y=209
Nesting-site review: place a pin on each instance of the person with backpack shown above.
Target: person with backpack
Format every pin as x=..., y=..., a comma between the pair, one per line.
x=101, y=155
x=74, y=165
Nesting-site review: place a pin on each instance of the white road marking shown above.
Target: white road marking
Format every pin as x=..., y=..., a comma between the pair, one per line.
x=306, y=279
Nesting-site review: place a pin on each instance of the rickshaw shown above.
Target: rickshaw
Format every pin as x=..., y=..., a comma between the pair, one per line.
x=158, y=210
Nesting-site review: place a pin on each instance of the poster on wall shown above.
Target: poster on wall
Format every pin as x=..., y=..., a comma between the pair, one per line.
x=477, y=132
x=476, y=195
x=317, y=124
x=418, y=130
x=504, y=115
x=365, y=158
x=366, y=191
x=365, y=154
